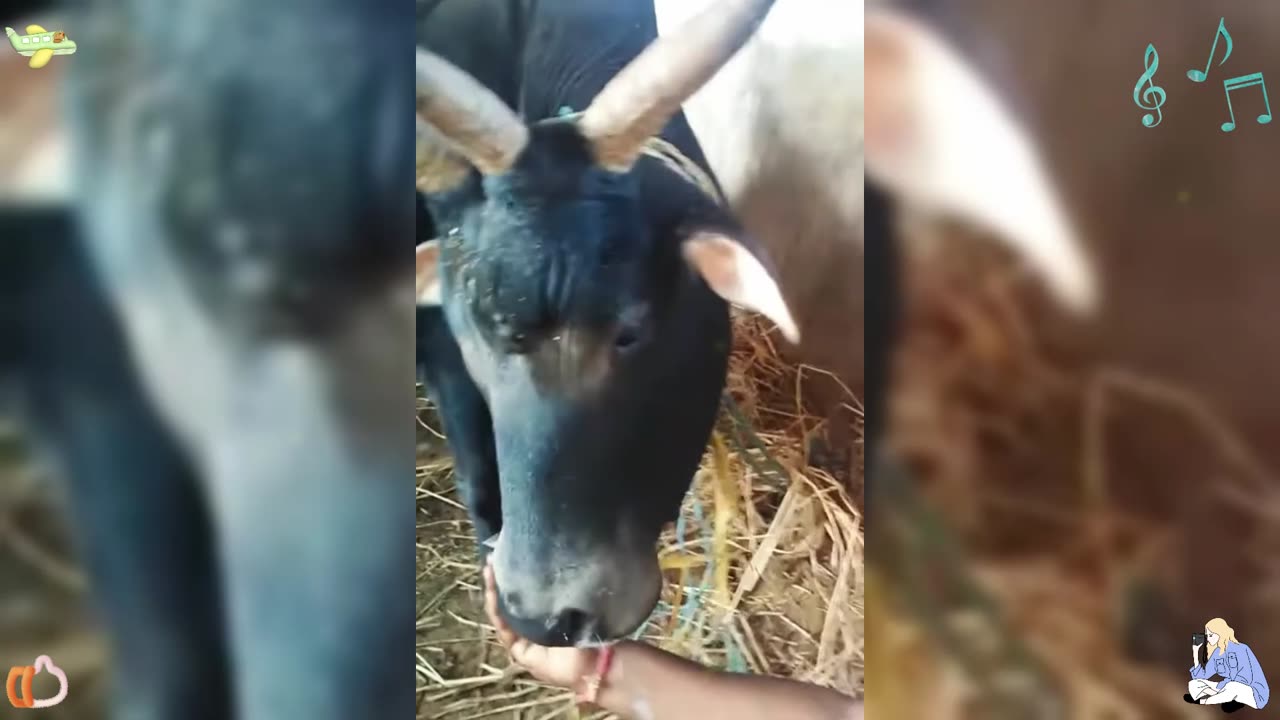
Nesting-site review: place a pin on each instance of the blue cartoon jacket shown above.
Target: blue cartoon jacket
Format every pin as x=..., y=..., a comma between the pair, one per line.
x=1238, y=664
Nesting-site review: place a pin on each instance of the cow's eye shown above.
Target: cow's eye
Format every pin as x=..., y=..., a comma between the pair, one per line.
x=632, y=329
x=630, y=336
x=626, y=339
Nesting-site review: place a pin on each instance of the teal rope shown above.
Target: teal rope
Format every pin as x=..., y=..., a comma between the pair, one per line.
x=744, y=440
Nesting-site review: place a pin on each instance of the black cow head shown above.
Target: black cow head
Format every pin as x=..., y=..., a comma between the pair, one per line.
x=587, y=288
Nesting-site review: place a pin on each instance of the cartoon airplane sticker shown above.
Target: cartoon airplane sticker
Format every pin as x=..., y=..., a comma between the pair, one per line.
x=40, y=45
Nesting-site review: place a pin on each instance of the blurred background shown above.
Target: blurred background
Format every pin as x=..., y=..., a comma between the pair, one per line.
x=52, y=330
x=43, y=605
x=1112, y=480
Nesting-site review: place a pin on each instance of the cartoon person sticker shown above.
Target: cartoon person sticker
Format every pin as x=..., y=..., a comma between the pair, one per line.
x=1227, y=673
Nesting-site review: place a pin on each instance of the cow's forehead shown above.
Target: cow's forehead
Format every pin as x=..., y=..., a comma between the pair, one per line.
x=538, y=278
x=537, y=258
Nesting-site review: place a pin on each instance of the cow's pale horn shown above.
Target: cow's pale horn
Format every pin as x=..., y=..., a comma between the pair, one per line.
x=639, y=101
x=477, y=123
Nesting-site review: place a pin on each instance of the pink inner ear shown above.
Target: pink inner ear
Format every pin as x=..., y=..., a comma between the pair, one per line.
x=736, y=275
x=713, y=258
x=427, y=277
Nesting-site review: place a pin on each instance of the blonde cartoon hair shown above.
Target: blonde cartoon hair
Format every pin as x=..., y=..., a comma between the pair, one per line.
x=1225, y=634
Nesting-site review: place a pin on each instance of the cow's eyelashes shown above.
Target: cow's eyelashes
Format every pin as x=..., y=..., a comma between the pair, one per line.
x=630, y=336
x=632, y=329
x=626, y=340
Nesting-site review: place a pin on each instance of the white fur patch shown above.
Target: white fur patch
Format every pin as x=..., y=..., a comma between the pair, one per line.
x=962, y=152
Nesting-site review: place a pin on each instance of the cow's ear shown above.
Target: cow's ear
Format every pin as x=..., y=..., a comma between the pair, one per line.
x=939, y=138
x=427, y=262
x=38, y=170
x=740, y=276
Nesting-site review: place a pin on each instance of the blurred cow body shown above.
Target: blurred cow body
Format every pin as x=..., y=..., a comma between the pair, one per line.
x=213, y=342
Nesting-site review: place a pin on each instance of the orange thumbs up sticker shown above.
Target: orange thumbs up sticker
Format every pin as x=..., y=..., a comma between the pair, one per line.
x=18, y=686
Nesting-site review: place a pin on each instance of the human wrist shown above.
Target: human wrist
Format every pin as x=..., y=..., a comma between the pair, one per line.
x=600, y=662
x=619, y=685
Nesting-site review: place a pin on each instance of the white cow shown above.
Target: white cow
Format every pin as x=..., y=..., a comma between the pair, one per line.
x=828, y=90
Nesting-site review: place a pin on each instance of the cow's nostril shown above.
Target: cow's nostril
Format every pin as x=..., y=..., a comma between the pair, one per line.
x=512, y=601
x=573, y=623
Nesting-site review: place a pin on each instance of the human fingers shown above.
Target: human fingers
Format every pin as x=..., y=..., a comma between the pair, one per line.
x=505, y=634
x=540, y=661
x=526, y=653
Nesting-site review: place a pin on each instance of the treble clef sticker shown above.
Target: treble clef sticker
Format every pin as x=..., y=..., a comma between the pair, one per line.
x=1152, y=98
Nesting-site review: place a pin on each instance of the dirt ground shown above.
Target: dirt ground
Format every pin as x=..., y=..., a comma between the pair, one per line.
x=448, y=592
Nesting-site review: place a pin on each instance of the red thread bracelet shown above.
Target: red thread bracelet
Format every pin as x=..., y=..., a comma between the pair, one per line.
x=604, y=660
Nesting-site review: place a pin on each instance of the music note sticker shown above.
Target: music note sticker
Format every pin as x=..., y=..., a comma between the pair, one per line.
x=1153, y=94
x=1200, y=75
x=1245, y=81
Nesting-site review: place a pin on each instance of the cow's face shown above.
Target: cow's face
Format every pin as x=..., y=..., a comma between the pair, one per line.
x=585, y=304
x=275, y=185
x=587, y=289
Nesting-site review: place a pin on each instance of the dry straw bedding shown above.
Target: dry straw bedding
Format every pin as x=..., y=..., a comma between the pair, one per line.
x=1002, y=413
x=764, y=570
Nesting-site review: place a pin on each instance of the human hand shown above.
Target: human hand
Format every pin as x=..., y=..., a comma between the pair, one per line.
x=561, y=666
